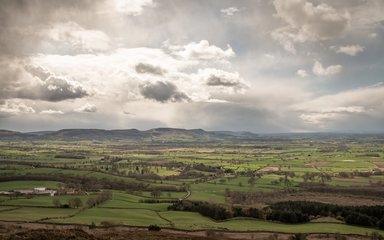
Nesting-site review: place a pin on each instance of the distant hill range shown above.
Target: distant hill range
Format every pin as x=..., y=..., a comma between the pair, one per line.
x=157, y=134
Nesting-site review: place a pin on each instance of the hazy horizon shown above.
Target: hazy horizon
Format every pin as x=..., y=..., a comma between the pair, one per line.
x=280, y=66
x=207, y=130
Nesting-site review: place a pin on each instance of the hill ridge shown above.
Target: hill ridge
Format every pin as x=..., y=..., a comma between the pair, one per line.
x=154, y=134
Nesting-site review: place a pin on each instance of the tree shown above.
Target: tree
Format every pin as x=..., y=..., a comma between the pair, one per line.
x=91, y=202
x=325, y=177
x=156, y=193
x=70, y=203
x=77, y=202
x=227, y=192
x=56, y=202
x=153, y=228
x=299, y=236
x=93, y=225
x=288, y=175
x=252, y=181
x=381, y=223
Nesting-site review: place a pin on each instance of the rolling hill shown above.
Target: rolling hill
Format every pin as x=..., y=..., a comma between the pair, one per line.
x=156, y=134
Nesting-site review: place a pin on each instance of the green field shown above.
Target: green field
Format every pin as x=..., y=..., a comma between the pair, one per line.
x=15, y=185
x=145, y=179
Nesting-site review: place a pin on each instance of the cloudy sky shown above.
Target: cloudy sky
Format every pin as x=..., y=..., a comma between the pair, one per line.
x=249, y=65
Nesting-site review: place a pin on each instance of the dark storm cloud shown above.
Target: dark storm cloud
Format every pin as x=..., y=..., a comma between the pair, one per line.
x=51, y=87
x=32, y=82
x=220, y=81
x=163, y=92
x=148, y=68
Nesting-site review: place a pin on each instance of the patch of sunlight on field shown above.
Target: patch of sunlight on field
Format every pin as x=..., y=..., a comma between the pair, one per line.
x=15, y=185
x=131, y=217
x=34, y=214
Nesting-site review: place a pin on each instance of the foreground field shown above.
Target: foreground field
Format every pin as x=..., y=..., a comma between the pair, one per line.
x=107, y=183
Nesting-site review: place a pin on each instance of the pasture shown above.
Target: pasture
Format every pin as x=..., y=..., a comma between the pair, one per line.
x=146, y=179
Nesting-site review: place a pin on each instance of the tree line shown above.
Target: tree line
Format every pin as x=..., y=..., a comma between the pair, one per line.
x=289, y=212
x=214, y=211
x=303, y=211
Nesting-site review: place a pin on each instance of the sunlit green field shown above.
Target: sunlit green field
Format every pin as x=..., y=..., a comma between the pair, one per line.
x=169, y=173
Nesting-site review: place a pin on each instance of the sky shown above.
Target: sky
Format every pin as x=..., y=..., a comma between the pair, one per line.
x=265, y=66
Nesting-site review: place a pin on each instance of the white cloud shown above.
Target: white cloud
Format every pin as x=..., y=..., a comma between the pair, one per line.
x=308, y=22
x=87, y=108
x=14, y=107
x=342, y=107
x=50, y=111
x=114, y=76
x=320, y=71
x=330, y=113
x=285, y=38
x=124, y=74
x=201, y=51
x=316, y=118
x=72, y=35
x=351, y=50
x=373, y=35
x=229, y=11
x=45, y=85
x=132, y=7
x=302, y=73
x=223, y=80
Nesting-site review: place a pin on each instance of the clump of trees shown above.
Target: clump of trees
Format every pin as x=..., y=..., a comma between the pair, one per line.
x=71, y=203
x=362, y=191
x=101, y=198
x=321, y=177
x=249, y=198
x=289, y=212
x=213, y=211
x=154, y=228
x=302, y=211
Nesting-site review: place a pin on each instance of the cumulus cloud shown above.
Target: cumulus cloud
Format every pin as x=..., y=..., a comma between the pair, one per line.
x=229, y=11
x=351, y=50
x=308, y=22
x=14, y=107
x=45, y=85
x=132, y=7
x=70, y=35
x=149, y=68
x=302, y=73
x=320, y=71
x=218, y=81
x=51, y=111
x=201, y=51
x=35, y=82
x=162, y=92
x=87, y=108
x=218, y=78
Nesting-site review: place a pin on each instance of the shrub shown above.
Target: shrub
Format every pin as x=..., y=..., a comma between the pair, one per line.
x=153, y=228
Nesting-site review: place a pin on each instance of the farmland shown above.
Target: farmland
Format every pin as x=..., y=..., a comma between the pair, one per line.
x=138, y=182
